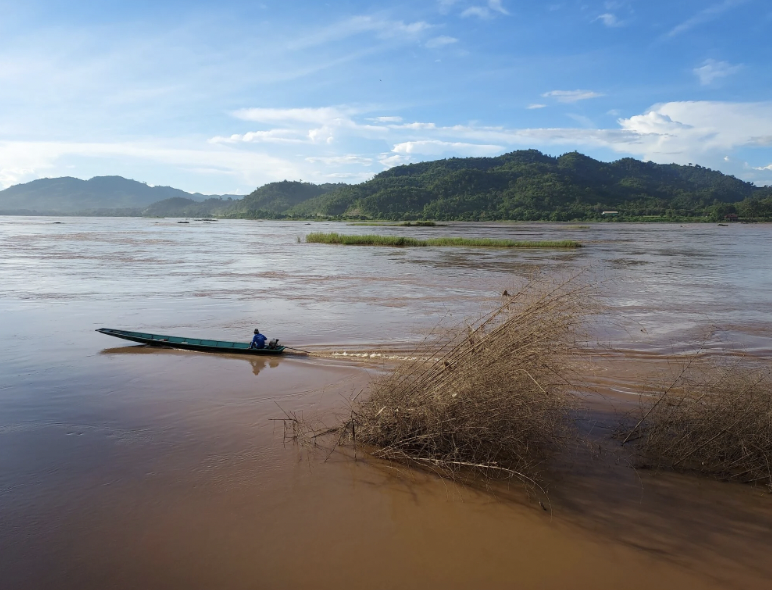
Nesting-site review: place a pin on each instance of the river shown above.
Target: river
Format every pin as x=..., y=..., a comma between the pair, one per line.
x=127, y=467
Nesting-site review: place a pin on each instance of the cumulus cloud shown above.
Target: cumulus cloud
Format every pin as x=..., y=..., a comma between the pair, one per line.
x=569, y=96
x=711, y=70
x=302, y=146
x=682, y=130
x=440, y=41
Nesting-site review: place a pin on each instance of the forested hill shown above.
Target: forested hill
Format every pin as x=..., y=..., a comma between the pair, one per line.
x=102, y=194
x=528, y=185
x=269, y=201
x=279, y=197
x=522, y=185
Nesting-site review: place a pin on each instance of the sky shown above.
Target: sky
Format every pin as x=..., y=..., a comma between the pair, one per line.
x=223, y=97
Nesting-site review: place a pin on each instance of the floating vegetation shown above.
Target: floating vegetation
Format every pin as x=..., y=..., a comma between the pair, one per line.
x=378, y=240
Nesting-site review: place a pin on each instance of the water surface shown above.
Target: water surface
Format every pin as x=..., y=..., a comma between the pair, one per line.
x=128, y=467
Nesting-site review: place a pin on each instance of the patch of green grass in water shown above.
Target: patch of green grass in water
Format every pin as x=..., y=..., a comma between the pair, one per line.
x=374, y=240
x=366, y=240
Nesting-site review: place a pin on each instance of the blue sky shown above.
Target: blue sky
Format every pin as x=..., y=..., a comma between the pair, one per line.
x=221, y=97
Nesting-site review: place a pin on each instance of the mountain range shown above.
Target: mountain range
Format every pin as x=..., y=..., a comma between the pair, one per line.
x=99, y=195
x=521, y=185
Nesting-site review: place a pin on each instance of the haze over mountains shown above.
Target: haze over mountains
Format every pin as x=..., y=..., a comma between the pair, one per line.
x=521, y=185
x=101, y=194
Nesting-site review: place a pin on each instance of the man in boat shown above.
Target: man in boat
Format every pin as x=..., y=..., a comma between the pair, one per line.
x=258, y=340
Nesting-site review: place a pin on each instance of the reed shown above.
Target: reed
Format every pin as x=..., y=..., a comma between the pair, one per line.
x=712, y=419
x=378, y=240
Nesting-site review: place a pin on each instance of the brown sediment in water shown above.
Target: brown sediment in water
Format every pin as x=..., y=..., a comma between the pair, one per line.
x=162, y=470
x=213, y=498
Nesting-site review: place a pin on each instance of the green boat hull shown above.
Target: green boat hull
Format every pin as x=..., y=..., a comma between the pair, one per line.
x=199, y=344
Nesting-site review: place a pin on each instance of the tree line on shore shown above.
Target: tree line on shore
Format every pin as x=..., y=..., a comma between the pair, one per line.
x=523, y=185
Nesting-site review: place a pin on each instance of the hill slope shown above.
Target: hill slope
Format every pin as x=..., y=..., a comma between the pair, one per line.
x=279, y=197
x=71, y=195
x=528, y=185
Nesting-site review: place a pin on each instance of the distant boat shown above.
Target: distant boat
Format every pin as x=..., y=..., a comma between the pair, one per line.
x=183, y=343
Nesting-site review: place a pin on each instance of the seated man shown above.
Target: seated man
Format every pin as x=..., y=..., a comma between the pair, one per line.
x=258, y=340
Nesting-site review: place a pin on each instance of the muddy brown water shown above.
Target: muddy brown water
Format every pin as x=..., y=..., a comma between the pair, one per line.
x=127, y=467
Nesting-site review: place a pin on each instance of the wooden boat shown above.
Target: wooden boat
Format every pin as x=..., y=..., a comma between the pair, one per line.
x=183, y=343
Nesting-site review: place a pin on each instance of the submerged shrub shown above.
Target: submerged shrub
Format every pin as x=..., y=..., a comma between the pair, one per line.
x=712, y=419
x=491, y=397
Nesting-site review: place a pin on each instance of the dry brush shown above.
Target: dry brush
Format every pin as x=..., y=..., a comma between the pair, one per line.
x=712, y=419
x=490, y=397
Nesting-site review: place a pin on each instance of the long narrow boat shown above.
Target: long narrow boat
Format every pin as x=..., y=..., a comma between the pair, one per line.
x=190, y=343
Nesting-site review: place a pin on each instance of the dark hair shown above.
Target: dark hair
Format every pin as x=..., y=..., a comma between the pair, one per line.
x=257, y=331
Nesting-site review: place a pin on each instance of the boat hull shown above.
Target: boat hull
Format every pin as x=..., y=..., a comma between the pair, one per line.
x=197, y=344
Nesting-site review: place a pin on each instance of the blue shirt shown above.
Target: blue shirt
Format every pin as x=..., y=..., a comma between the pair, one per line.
x=258, y=341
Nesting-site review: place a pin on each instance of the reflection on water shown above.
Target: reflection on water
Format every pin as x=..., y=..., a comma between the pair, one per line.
x=258, y=363
x=142, y=467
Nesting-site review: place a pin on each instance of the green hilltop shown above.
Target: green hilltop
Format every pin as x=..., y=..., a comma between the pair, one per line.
x=528, y=185
x=523, y=185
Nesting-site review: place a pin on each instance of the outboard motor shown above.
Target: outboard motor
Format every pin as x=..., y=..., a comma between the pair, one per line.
x=273, y=343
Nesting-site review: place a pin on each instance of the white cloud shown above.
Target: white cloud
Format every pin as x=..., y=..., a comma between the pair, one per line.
x=312, y=143
x=437, y=147
x=383, y=28
x=705, y=15
x=478, y=11
x=270, y=136
x=385, y=119
x=416, y=125
x=609, y=20
x=341, y=160
x=390, y=160
x=497, y=6
x=569, y=96
x=26, y=160
x=763, y=167
x=682, y=130
x=440, y=41
x=711, y=70
x=536, y=106
x=319, y=116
